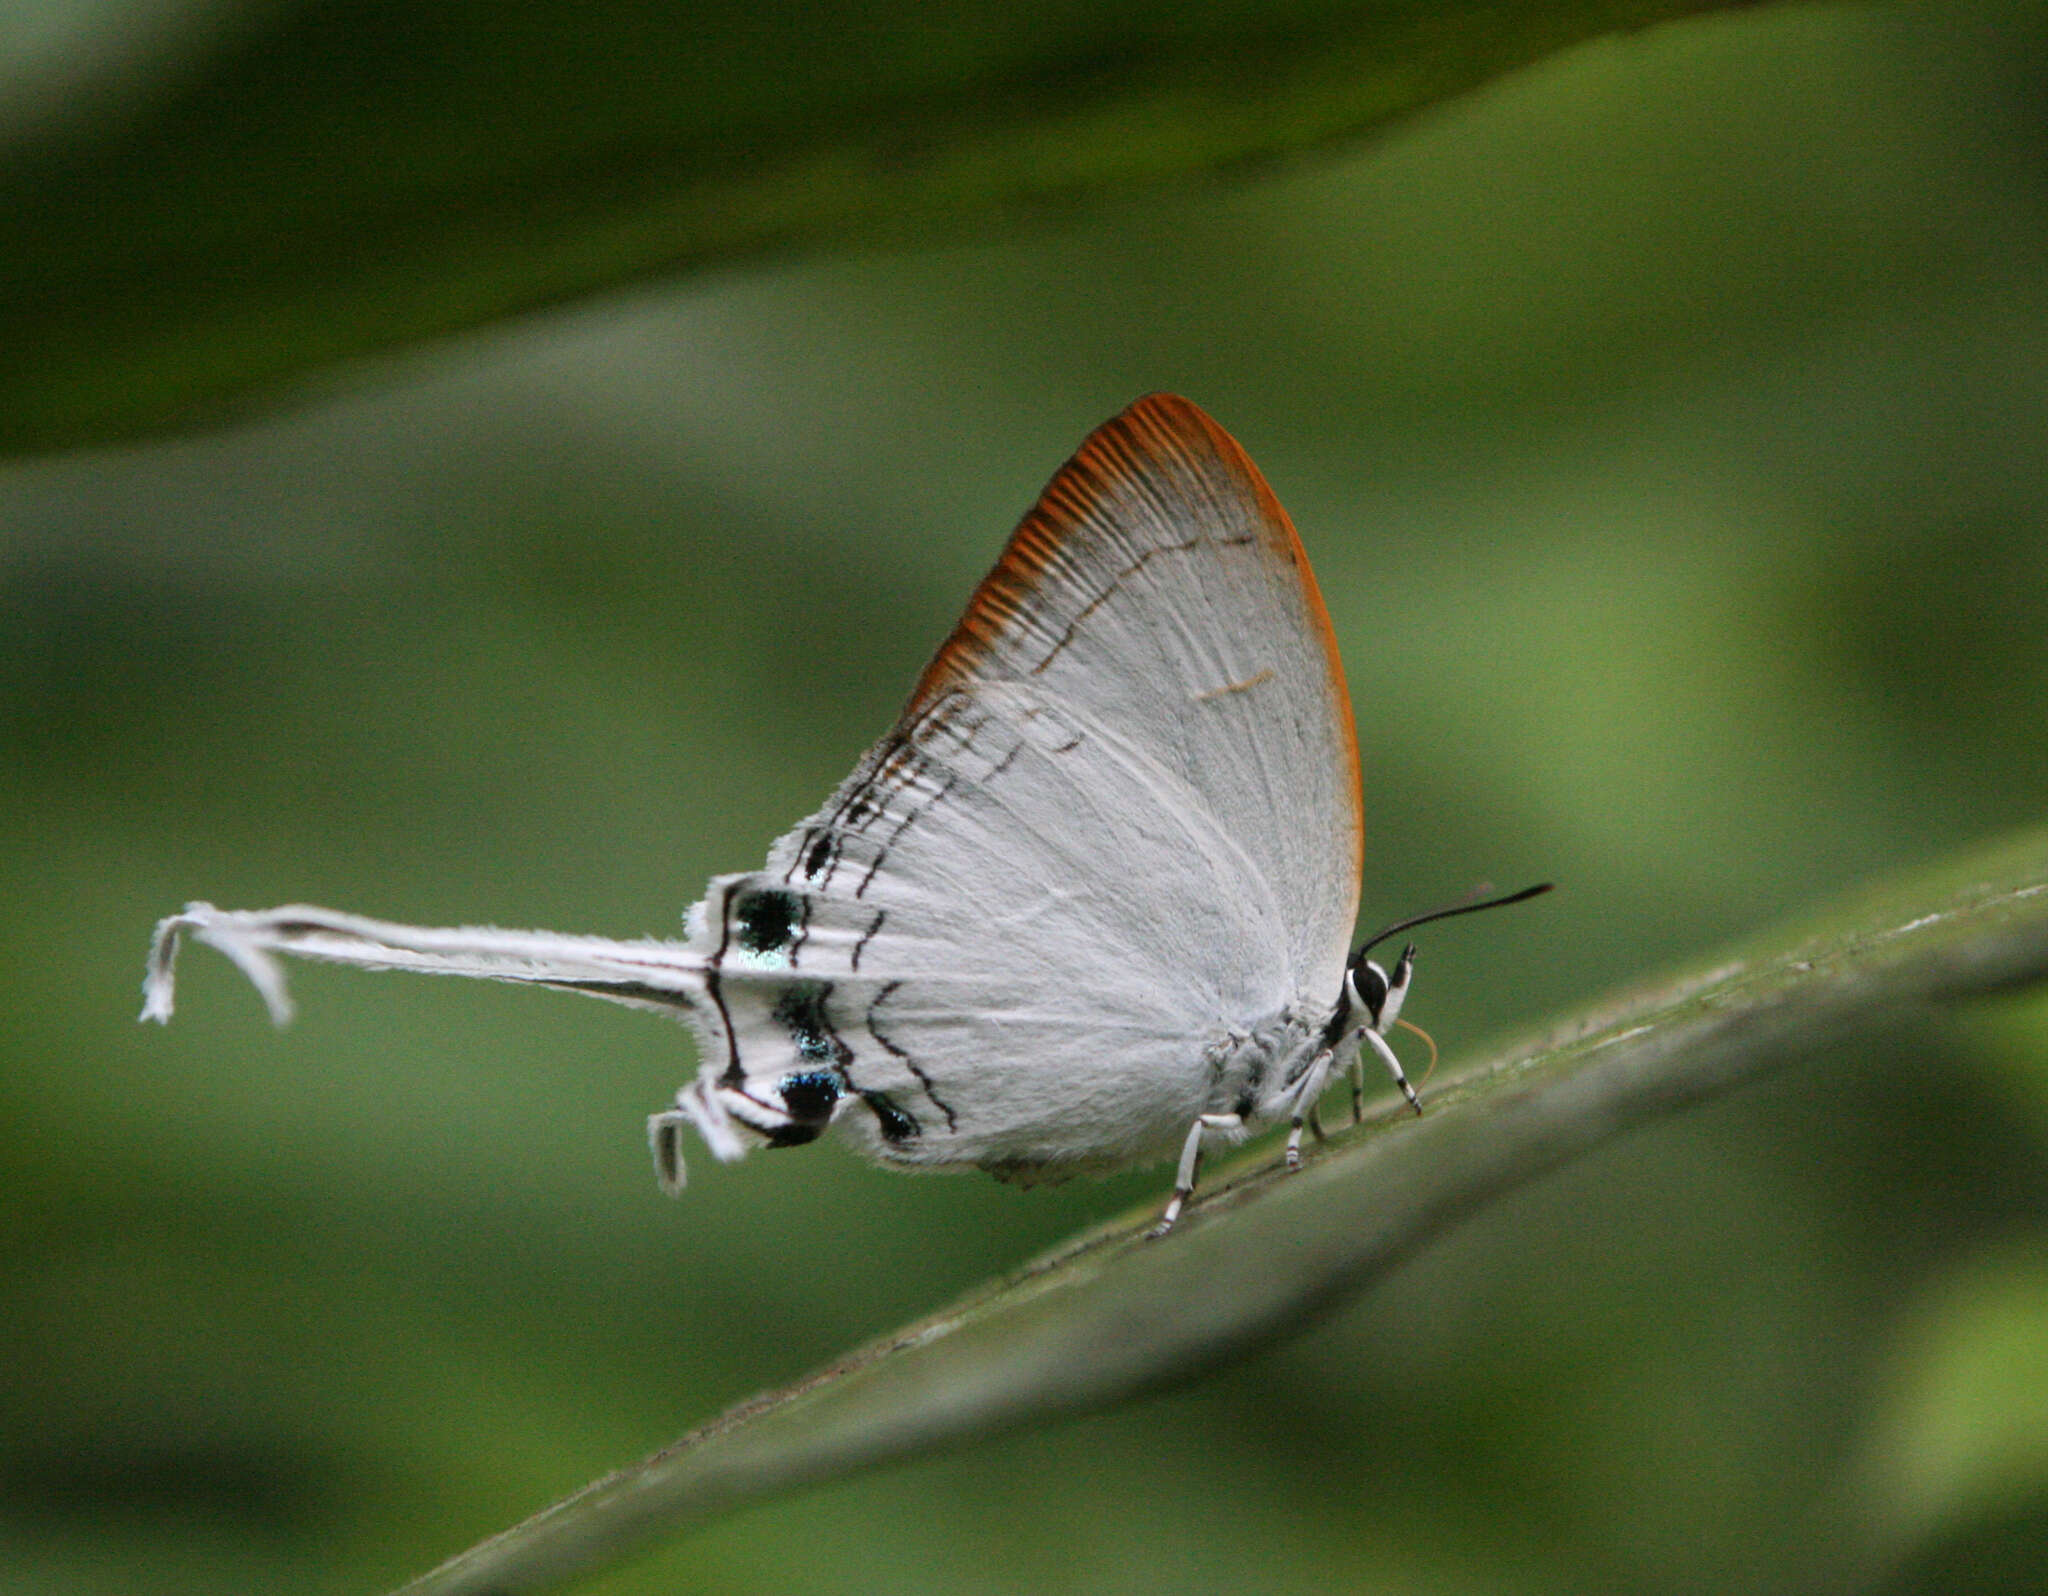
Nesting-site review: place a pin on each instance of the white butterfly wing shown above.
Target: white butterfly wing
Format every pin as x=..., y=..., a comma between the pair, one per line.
x=1159, y=587
x=1116, y=831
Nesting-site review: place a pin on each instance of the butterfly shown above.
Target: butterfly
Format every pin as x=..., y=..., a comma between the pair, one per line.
x=1088, y=903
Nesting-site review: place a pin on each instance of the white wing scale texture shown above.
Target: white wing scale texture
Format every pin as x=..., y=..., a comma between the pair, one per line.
x=1113, y=840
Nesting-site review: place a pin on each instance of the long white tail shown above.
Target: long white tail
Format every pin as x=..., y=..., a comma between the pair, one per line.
x=663, y=976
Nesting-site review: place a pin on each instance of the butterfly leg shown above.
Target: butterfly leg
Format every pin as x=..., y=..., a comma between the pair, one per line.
x=1191, y=1164
x=1313, y=1079
x=1393, y=1064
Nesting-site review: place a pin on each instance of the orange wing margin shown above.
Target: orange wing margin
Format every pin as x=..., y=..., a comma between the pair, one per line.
x=1129, y=446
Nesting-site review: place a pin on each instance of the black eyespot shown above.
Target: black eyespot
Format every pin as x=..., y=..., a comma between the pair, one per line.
x=897, y=1126
x=800, y=1010
x=767, y=919
x=809, y=1096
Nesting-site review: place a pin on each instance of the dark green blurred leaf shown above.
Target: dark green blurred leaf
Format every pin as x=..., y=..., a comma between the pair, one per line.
x=323, y=181
x=1114, y=1316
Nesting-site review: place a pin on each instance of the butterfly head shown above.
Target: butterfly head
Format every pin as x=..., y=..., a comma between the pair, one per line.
x=1375, y=996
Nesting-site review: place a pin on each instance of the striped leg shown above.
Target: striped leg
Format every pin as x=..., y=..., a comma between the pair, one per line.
x=1313, y=1080
x=1393, y=1065
x=1190, y=1166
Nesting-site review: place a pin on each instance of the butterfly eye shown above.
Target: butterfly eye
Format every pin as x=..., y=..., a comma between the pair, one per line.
x=1369, y=981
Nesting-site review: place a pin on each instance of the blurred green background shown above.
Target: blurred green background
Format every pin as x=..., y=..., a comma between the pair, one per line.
x=1668, y=424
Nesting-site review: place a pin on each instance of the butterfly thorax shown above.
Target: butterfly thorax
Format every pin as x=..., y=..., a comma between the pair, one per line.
x=1253, y=1073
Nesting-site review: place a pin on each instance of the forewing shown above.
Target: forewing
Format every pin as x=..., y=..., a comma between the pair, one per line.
x=1159, y=588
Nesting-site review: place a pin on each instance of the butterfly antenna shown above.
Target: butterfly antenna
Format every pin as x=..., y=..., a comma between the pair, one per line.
x=1399, y=926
